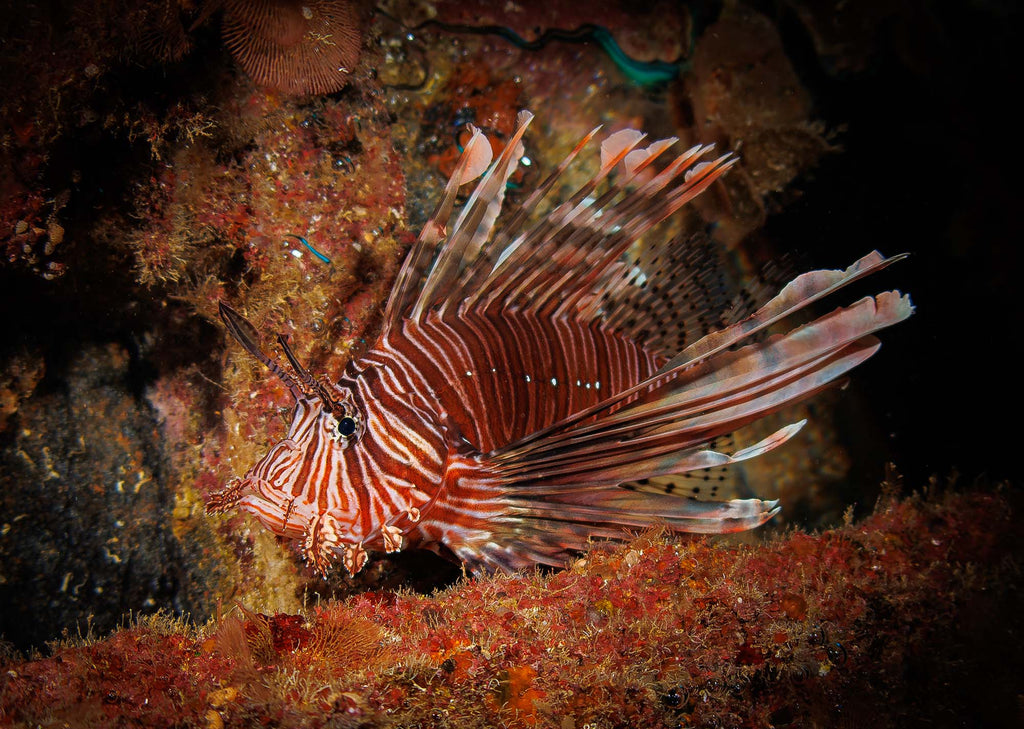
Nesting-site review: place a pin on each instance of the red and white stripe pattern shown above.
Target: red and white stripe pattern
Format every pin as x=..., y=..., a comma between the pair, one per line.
x=535, y=378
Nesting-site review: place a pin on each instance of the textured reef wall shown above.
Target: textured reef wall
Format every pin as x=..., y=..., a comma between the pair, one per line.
x=907, y=619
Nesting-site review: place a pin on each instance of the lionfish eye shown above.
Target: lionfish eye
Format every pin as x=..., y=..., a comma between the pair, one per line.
x=346, y=426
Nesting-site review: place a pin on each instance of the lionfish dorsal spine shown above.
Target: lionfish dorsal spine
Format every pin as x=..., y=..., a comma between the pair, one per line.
x=474, y=225
x=476, y=156
x=527, y=262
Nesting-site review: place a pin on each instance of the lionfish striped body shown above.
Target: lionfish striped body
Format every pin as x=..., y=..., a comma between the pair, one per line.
x=539, y=382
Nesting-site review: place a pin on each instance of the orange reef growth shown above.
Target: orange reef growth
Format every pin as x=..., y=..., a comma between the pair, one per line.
x=864, y=623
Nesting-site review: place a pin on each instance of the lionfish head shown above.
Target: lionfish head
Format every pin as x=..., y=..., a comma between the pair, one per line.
x=286, y=488
x=294, y=489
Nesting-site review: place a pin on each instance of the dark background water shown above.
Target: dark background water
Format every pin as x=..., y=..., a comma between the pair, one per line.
x=929, y=167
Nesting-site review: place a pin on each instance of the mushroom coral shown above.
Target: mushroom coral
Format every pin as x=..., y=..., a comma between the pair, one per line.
x=298, y=47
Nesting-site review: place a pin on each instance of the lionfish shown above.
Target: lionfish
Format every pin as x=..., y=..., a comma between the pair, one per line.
x=540, y=380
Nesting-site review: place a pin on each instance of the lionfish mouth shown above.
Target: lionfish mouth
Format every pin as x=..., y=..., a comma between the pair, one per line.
x=261, y=499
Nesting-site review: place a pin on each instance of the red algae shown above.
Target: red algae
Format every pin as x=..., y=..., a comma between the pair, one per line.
x=805, y=629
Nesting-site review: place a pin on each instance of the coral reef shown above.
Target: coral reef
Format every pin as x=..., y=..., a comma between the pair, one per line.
x=144, y=178
x=659, y=31
x=864, y=623
x=24, y=370
x=65, y=123
x=744, y=94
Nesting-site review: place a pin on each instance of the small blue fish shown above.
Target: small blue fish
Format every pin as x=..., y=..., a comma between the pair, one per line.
x=312, y=250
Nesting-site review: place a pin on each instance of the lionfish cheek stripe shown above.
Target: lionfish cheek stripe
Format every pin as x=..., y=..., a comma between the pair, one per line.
x=538, y=381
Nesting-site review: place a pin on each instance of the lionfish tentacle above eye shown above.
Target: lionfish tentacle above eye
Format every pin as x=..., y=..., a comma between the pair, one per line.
x=311, y=384
x=246, y=335
x=542, y=379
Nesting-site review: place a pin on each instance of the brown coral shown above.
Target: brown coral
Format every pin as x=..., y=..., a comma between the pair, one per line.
x=161, y=32
x=295, y=46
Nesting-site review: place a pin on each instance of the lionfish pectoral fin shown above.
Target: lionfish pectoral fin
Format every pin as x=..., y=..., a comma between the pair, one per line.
x=715, y=483
x=571, y=480
x=323, y=538
x=533, y=529
x=508, y=514
x=611, y=511
x=796, y=295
